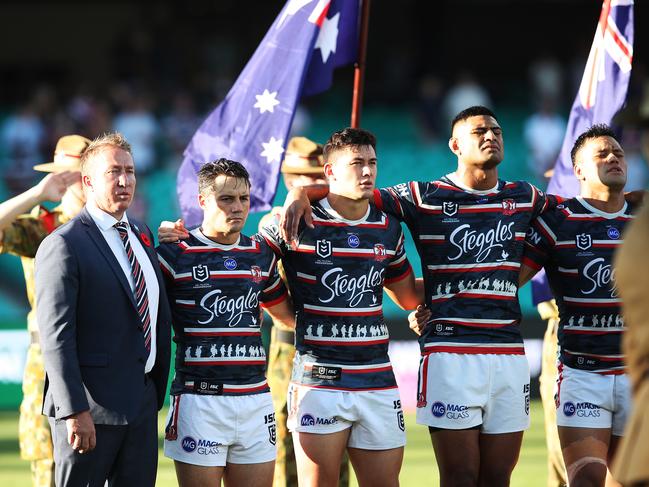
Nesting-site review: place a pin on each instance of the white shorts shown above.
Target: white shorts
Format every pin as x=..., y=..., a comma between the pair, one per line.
x=590, y=400
x=375, y=417
x=215, y=430
x=462, y=391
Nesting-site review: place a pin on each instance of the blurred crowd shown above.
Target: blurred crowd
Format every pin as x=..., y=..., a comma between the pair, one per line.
x=160, y=124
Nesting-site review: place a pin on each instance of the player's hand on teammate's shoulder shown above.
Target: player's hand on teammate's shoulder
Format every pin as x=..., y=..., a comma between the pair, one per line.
x=635, y=197
x=296, y=207
x=418, y=319
x=169, y=232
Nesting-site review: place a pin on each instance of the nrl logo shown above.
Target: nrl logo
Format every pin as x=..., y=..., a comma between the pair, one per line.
x=272, y=434
x=509, y=207
x=379, y=252
x=256, y=273
x=449, y=209
x=323, y=248
x=200, y=273
x=583, y=241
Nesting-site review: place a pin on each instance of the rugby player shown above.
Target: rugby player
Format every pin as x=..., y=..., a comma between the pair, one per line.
x=469, y=227
x=575, y=243
x=343, y=393
x=221, y=422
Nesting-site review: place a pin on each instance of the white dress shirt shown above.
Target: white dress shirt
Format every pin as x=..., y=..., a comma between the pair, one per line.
x=105, y=223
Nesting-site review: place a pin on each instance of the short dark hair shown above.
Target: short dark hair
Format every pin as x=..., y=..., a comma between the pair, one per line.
x=474, y=111
x=349, y=137
x=598, y=130
x=211, y=170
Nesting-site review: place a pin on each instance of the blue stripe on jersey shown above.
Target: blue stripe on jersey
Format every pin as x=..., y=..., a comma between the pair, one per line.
x=215, y=292
x=575, y=243
x=336, y=274
x=471, y=245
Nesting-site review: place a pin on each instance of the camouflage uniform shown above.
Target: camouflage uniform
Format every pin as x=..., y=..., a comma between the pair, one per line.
x=280, y=366
x=557, y=476
x=22, y=238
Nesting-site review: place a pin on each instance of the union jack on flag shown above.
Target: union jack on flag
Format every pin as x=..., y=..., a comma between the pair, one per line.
x=601, y=95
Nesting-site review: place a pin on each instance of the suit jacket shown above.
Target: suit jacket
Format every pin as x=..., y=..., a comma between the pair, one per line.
x=91, y=334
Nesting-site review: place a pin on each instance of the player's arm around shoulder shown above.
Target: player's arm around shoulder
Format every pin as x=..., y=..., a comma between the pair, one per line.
x=57, y=292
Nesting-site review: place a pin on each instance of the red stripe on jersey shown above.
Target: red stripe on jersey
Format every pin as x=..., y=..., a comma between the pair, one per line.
x=378, y=202
x=343, y=313
x=454, y=270
x=479, y=350
x=245, y=390
x=368, y=370
x=222, y=333
x=191, y=250
x=612, y=372
x=343, y=224
x=272, y=245
x=360, y=389
x=345, y=343
x=270, y=304
x=591, y=332
x=308, y=281
x=401, y=277
x=530, y=263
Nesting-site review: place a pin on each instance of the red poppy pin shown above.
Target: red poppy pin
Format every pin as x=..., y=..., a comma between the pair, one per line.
x=145, y=240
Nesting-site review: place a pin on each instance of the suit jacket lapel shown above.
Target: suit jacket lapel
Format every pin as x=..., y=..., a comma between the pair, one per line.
x=107, y=253
x=138, y=230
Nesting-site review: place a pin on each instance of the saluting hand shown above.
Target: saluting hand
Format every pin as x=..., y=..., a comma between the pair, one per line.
x=53, y=186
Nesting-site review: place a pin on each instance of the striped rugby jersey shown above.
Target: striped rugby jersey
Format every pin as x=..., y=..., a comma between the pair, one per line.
x=336, y=274
x=215, y=292
x=575, y=243
x=471, y=245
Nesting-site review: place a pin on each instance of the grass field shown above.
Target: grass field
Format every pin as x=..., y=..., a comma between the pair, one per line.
x=418, y=468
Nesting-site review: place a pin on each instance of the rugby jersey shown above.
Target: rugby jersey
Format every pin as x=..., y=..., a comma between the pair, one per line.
x=471, y=245
x=575, y=243
x=335, y=273
x=215, y=292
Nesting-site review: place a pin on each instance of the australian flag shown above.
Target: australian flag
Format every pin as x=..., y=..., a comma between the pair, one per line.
x=307, y=41
x=602, y=94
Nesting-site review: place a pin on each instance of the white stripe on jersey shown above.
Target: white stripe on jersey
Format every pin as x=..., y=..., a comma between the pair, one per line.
x=223, y=331
x=515, y=265
x=350, y=367
x=612, y=301
x=547, y=229
x=327, y=309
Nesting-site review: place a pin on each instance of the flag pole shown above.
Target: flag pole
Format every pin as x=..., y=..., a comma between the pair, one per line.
x=359, y=66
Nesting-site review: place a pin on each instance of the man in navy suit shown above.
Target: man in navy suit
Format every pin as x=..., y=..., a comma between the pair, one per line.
x=104, y=323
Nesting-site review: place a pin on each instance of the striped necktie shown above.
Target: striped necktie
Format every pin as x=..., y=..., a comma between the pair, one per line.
x=141, y=296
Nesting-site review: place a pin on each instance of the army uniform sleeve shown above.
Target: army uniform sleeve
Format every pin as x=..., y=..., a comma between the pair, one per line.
x=399, y=266
x=26, y=233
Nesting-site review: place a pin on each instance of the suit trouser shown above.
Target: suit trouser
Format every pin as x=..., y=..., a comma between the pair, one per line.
x=126, y=455
x=557, y=476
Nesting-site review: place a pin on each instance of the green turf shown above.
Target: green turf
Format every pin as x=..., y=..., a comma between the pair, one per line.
x=418, y=466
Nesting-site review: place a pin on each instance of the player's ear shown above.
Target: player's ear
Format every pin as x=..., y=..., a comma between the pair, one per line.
x=201, y=200
x=453, y=144
x=577, y=169
x=328, y=170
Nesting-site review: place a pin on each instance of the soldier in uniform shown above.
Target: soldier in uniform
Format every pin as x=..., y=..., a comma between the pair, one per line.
x=21, y=232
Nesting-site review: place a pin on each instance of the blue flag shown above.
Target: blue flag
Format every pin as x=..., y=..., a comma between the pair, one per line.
x=307, y=41
x=601, y=95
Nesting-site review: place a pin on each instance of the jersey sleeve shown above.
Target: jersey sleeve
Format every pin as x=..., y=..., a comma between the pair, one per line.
x=275, y=291
x=542, y=202
x=270, y=234
x=167, y=259
x=399, y=266
x=539, y=242
x=399, y=201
